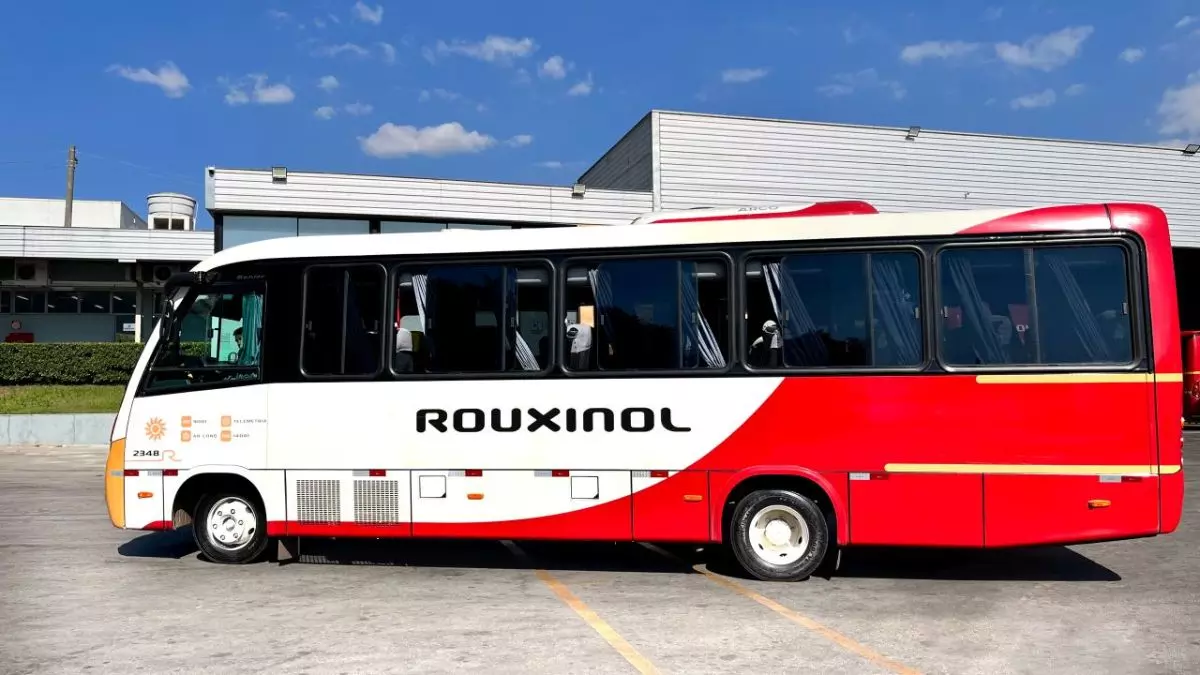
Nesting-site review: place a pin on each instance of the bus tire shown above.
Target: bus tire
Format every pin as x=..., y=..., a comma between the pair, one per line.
x=779, y=535
x=230, y=528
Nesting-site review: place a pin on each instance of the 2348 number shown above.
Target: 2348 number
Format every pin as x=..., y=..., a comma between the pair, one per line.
x=145, y=453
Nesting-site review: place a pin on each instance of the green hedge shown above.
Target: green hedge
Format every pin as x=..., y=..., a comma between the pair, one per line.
x=73, y=362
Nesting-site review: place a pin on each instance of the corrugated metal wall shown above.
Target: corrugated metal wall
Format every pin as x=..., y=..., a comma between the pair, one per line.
x=349, y=195
x=104, y=243
x=628, y=165
x=707, y=160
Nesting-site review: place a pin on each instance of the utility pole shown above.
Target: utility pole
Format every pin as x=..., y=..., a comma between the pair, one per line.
x=71, y=162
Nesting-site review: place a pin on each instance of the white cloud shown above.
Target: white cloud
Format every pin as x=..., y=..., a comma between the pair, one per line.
x=329, y=83
x=278, y=15
x=325, y=112
x=358, y=109
x=993, y=13
x=392, y=140
x=522, y=76
x=1045, y=52
x=1041, y=99
x=1075, y=89
x=1132, y=54
x=344, y=48
x=520, y=140
x=581, y=88
x=742, y=75
x=428, y=95
x=551, y=164
x=937, y=49
x=169, y=78
x=1186, y=21
x=845, y=84
x=363, y=12
x=260, y=91
x=554, y=68
x=1179, y=110
x=493, y=49
x=389, y=52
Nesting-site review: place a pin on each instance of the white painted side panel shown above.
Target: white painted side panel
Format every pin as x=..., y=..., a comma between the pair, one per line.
x=351, y=195
x=365, y=425
x=197, y=428
x=512, y=495
x=105, y=244
x=140, y=511
x=710, y=160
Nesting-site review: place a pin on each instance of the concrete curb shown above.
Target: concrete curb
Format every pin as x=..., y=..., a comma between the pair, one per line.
x=35, y=429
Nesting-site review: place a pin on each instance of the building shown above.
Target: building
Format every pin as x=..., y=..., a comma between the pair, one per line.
x=673, y=160
x=96, y=278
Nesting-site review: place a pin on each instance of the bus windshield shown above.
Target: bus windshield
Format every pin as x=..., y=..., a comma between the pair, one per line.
x=214, y=335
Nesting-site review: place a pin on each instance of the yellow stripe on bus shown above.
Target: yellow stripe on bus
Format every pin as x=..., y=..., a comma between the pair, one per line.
x=1038, y=469
x=1079, y=378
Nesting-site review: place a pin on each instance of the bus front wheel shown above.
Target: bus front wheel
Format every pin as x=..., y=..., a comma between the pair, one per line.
x=779, y=535
x=230, y=528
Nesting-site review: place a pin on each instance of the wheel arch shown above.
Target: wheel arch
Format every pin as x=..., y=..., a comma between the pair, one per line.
x=821, y=488
x=213, y=478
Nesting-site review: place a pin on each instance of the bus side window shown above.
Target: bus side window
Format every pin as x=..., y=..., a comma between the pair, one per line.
x=461, y=319
x=647, y=314
x=217, y=339
x=343, y=320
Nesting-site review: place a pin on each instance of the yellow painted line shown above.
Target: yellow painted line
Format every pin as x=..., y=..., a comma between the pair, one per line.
x=1031, y=469
x=1169, y=377
x=1073, y=378
x=849, y=644
x=1168, y=469
x=612, y=637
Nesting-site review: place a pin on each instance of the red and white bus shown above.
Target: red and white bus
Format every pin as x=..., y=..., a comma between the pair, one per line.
x=781, y=381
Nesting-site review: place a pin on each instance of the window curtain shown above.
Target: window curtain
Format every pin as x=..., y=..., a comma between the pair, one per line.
x=252, y=304
x=697, y=332
x=1084, y=323
x=895, y=308
x=512, y=322
x=802, y=345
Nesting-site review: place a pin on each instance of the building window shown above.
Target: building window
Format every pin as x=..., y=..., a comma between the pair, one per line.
x=319, y=226
x=177, y=223
x=94, y=302
x=161, y=224
x=238, y=230
x=1053, y=305
x=343, y=320
x=834, y=310
x=647, y=314
x=63, y=302
x=459, y=319
x=400, y=226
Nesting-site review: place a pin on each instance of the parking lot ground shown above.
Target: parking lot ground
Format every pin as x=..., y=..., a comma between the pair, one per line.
x=77, y=595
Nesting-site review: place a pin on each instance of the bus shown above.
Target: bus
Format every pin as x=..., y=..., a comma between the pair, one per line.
x=776, y=383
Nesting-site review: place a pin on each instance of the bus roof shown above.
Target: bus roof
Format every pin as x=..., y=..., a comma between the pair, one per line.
x=732, y=230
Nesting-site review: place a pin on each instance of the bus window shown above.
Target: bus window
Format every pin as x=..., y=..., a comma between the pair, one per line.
x=1052, y=305
x=472, y=319
x=647, y=314
x=839, y=310
x=343, y=321
x=217, y=339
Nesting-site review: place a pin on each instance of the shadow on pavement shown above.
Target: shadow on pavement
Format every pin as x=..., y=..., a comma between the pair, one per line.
x=1050, y=563
x=174, y=544
x=1053, y=563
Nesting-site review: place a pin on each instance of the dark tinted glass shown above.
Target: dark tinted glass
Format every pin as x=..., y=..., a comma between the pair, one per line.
x=343, y=320
x=1083, y=305
x=464, y=309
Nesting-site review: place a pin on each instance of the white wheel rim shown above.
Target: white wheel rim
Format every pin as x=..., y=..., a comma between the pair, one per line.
x=231, y=524
x=778, y=535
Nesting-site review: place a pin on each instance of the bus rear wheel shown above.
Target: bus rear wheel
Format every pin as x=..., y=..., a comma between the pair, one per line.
x=779, y=535
x=230, y=528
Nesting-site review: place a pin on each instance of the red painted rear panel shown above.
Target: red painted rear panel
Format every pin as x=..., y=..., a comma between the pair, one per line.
x=660, y=513
x=1171, y=496
x=1023, y=510
x=919, y=510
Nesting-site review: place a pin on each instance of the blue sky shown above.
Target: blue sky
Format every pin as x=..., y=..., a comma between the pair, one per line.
x=152, y=92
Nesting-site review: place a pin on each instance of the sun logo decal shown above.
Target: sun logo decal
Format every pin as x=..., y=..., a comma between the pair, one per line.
x=156, y=429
